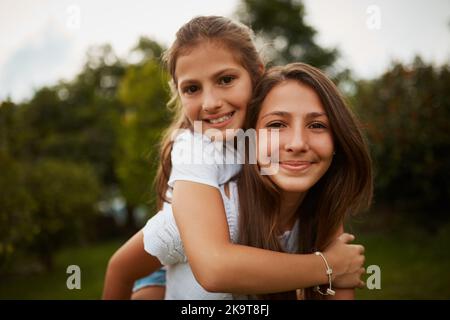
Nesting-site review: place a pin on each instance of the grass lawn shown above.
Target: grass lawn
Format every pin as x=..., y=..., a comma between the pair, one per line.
x=413, y=266
x=92, y=261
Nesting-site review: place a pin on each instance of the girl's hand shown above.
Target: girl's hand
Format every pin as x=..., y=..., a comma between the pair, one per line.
x=345, y=258
x=350, y=280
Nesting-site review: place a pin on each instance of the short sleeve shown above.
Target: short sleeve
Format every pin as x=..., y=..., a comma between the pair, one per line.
x=162, y=238
x=195, y=158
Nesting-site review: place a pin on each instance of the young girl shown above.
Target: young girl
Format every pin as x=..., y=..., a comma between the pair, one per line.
x=214, y=66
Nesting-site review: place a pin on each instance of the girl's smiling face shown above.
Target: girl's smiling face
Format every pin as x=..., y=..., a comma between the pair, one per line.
x=305, y=138
x=214, y=87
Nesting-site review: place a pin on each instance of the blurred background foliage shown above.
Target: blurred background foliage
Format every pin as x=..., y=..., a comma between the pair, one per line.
x=78, y=159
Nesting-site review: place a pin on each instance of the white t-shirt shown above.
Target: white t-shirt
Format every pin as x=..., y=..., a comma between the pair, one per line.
x=161, y=235
x=198, y=159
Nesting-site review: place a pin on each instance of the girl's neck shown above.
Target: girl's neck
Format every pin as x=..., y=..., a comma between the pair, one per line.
x=290, y=201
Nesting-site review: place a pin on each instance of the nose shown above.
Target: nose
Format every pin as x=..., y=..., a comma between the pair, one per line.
x=211, y=101
x=296, y=141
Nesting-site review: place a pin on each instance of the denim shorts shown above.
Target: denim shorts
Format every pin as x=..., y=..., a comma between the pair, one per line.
x=157, y=278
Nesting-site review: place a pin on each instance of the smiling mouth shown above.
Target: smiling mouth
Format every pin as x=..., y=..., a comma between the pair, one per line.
x=221, y=119
x=296, y=165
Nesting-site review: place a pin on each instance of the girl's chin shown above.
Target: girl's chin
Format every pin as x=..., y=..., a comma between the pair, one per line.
x=292, y=186
x=295, y=189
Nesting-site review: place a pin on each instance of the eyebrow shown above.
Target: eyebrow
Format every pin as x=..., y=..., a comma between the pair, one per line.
x=276, y=113
x=313, y=115
x=310, y=115
x=215, y=75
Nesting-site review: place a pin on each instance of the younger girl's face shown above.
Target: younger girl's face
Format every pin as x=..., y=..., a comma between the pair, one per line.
x=214, y=87
x=305, y=138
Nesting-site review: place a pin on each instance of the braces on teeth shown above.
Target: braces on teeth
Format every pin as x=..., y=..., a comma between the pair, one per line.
x=221, y=119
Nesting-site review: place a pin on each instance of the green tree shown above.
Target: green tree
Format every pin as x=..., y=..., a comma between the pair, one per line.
x=16, y=211
x=281, y=24
x=144, y=94
x=406, y=112
x=42, y=141
x=13, y=130
x=91, y=113
x=73, y=142
x=147, y=49
x=16, y=227
x=65, y=195
x=78, y=120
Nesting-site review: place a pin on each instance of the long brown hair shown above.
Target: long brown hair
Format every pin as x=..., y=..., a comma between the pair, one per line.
x=234, y=36
x=344, y=189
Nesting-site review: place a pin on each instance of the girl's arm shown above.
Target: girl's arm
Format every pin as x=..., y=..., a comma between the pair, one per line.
x=128, y=264
x=221, y=266
x=342, y=294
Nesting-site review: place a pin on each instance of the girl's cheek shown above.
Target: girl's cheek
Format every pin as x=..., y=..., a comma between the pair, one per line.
x=262, y=150
x=189, y=110
x=242, y=95
x=325, y=146
x=282, y=139
x=269, y=146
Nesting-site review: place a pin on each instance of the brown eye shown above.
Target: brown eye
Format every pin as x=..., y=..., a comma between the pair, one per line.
x=226, y=80
x=190, y=89
x=317, y=125
x=275, y=124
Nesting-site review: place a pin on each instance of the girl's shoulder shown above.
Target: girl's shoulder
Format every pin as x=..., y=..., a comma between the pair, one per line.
x=195, y=157
x=188, y=135
x=193, y=144
x=191, y=147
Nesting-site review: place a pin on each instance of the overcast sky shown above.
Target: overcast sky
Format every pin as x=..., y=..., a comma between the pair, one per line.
x=46, y=40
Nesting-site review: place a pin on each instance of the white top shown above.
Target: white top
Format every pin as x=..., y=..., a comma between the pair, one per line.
x=198, y=159
x=161, y=235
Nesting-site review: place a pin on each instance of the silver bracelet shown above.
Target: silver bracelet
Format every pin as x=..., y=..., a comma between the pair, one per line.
x=329, y=271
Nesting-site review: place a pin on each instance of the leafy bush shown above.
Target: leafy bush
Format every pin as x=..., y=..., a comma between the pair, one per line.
x=406, y=113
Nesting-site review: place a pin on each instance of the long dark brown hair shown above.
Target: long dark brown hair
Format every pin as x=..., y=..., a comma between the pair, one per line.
x=232, y=35
x=344, y=189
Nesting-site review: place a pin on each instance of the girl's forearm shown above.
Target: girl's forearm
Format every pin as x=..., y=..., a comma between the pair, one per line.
x=221, y=266
x=117, y=287
x=248, y=270
x=129, y=263
x=343, y=294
